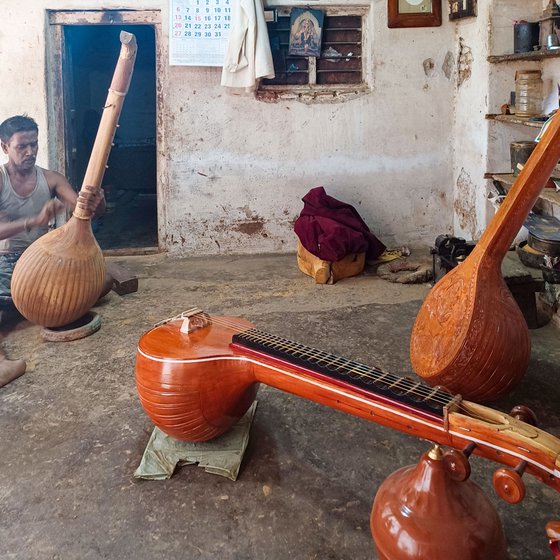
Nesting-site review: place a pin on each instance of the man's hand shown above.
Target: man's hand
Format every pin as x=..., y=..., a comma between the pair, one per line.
x=91, y=200
x=47, y=213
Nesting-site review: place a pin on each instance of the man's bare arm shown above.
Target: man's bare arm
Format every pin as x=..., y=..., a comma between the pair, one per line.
x=10, y=228
x=61, y=188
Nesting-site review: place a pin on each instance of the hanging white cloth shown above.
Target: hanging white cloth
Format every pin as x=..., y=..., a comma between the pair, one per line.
x=248, y=56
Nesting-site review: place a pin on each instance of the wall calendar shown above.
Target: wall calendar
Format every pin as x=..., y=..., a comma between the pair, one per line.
x=199, y=32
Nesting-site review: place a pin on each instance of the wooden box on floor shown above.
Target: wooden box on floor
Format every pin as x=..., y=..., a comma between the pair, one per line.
x=327, y=272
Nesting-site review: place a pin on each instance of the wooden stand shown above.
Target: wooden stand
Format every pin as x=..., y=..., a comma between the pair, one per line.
x=84, y=326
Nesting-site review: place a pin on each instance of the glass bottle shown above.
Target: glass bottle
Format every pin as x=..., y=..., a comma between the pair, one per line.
x=528, y=93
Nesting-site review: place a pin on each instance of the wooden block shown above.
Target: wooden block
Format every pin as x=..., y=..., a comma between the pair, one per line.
x=326, y=272
x=125, y=281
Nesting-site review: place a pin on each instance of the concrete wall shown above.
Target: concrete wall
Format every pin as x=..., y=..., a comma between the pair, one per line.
x=470, y=142
x=235, y=168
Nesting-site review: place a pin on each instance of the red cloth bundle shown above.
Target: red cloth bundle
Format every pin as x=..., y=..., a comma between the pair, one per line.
x=331, y=229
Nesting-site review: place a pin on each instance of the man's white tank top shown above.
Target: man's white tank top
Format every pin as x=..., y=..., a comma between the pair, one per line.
x=15, y=207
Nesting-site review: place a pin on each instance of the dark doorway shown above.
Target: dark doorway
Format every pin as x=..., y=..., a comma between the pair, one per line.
x=130, y=181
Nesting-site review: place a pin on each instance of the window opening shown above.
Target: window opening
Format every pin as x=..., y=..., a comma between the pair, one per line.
x=340, y=63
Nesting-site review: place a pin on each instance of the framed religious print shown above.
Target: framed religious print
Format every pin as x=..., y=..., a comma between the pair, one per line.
x=462, y=8
x=306, y=28
x=414, y=13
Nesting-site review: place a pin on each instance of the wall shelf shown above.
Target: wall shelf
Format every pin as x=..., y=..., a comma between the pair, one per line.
x=513, y=119
x=526, y=56
x=507, y=180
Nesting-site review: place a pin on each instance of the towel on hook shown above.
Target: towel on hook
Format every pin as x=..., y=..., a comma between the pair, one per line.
x=248, y=56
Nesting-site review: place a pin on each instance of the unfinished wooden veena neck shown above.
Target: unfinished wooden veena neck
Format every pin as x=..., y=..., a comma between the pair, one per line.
x=60, y=276
x=470, y=335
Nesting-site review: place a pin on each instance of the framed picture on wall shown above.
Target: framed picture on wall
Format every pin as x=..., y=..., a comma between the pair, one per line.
x=462, y=8
x=306, y=28
x=414, y=13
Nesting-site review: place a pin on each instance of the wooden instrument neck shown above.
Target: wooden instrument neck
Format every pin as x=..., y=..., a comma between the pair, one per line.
x=431, y=413
x=402, y=390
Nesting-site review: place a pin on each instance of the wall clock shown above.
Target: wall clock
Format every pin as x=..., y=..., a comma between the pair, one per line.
x=414, y=13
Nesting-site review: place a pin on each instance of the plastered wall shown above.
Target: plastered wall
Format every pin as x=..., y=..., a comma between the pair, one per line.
x=470, y=139
x=233, y=169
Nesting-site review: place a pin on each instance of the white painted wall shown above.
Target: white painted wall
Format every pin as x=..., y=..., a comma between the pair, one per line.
x=237, y=167
x=470, y=127
x=480, y=145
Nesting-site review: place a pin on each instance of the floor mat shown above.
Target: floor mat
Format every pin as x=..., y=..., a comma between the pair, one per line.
x=222, y=456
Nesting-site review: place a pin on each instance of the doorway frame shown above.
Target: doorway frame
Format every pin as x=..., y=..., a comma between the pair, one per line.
x=55, y=48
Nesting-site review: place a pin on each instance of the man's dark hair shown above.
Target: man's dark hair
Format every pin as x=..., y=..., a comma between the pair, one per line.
x=19, y=123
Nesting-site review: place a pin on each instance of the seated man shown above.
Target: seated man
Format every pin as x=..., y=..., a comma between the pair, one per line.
x=30, y=197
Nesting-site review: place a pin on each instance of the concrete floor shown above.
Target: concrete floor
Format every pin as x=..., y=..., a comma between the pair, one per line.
x=72, y=429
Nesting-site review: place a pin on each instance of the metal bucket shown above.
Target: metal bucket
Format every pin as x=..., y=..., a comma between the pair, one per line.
x=520, y=152
x=526, y=35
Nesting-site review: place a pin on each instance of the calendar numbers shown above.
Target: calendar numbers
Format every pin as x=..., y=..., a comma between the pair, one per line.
x=212, y=12
x=199, y=31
